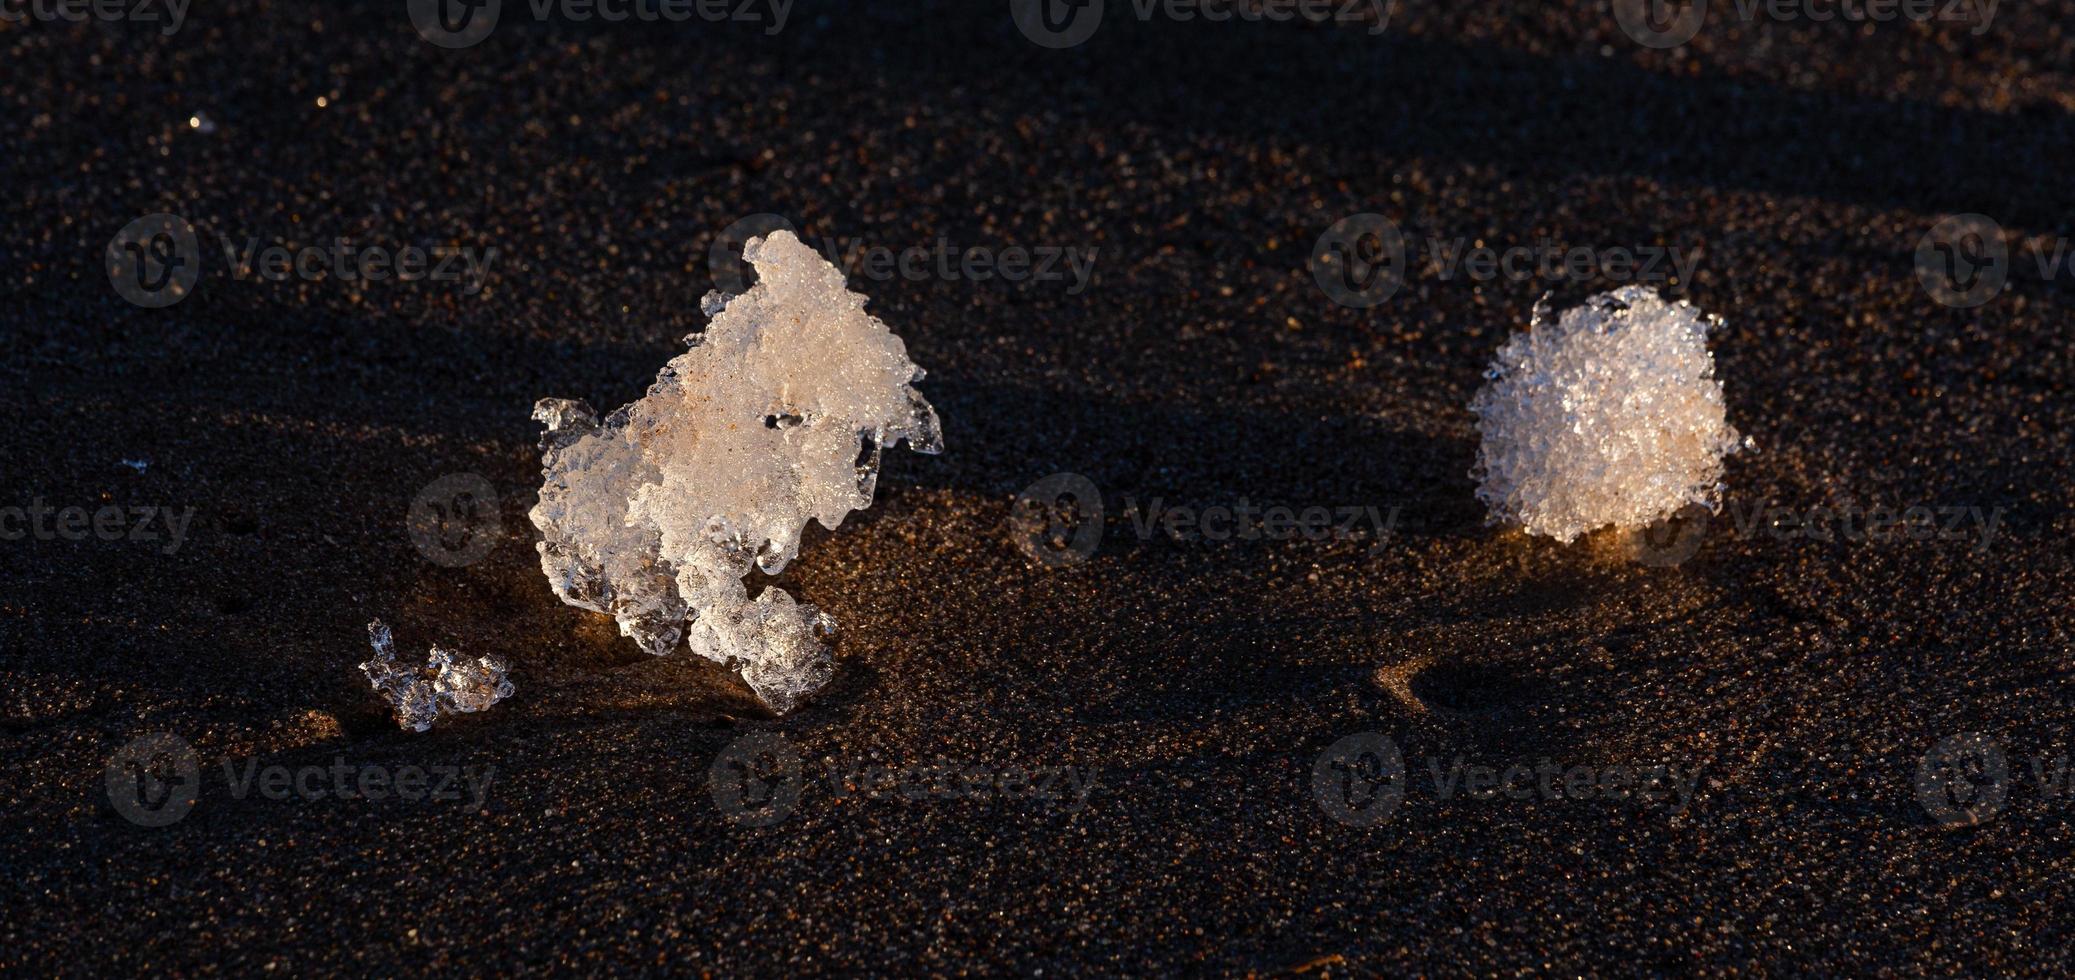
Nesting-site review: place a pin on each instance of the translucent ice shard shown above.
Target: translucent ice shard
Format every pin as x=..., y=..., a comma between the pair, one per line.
x=775, y=416
x=448, y=683
x=1608, y=416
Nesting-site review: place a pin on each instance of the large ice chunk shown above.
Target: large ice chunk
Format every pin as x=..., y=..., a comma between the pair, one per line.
x=1610, y=415
x=448, y=683
x=776, y=415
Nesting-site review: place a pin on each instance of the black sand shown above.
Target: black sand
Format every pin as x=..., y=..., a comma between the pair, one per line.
x=1198, y=682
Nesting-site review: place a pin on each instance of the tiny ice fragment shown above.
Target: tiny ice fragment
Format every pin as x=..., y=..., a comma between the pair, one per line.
x=775, y=416
x=448, y=683
x=1610, y=415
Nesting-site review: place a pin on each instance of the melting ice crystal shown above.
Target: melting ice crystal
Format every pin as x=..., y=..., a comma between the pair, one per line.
x=1610, y=415
x=776, y=415
x=448, y=683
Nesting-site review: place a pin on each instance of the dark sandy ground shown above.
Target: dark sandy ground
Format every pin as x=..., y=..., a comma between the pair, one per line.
x=1197, y=683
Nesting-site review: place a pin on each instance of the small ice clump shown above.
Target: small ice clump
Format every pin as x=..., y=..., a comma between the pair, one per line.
x=448, y=683
x=777, y=415
x=1609, y=416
